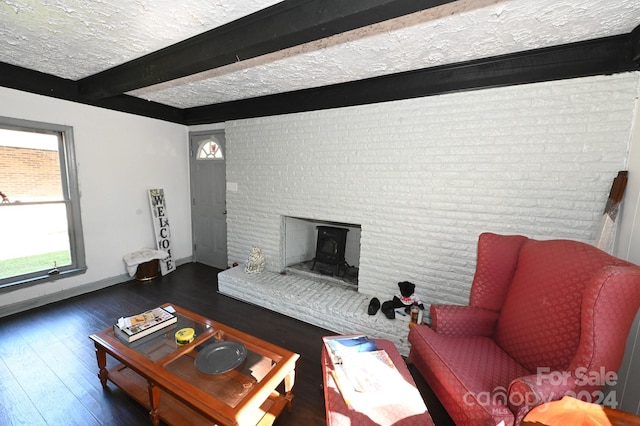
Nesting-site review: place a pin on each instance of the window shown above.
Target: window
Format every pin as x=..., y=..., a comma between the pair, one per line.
x=40, y=225
x=209, y=150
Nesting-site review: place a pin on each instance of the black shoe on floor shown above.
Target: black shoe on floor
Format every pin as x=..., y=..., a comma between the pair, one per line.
x=374, y=305
x=388, y=310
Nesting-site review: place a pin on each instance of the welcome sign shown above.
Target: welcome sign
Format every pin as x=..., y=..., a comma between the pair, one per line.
x=161, y=226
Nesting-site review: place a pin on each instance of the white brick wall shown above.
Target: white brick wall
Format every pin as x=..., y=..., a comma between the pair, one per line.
x=425, y=176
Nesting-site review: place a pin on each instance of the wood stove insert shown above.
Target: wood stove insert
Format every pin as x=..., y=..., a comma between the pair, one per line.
x=330, y=248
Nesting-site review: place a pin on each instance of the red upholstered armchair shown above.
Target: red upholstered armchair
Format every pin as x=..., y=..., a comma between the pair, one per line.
x=545, y=319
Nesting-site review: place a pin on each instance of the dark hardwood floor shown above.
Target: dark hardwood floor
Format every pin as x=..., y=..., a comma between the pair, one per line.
x=48, y=370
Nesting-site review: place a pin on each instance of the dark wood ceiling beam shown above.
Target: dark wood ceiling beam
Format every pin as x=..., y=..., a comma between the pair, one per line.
x=283, y=25
x=635, y=44
x=593, y=57
x=27, y=80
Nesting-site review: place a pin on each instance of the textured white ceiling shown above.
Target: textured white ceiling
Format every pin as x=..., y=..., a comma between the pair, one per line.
x=77, y=38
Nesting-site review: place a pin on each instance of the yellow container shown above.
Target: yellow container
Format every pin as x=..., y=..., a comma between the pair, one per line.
x=184, y=336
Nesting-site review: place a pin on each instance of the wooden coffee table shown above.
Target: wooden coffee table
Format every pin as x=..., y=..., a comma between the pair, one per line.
x=162, y=376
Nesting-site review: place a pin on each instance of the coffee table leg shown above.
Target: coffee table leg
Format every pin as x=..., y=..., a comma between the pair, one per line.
x=103, y=373
x=154, y=401
x=289, y=380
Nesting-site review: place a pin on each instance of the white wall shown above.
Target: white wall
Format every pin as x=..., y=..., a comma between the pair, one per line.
x=628, y=241
x=425, y=176
x=120, y=156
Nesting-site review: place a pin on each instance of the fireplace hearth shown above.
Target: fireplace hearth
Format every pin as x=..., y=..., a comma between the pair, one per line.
x=348, y=279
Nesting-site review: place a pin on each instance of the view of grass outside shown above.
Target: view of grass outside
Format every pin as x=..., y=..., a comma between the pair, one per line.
x=25, y=265
x=36, y=238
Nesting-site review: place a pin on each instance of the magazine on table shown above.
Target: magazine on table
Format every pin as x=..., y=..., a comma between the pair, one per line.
x=137, y=326
x=343, y=345
x=370, y=379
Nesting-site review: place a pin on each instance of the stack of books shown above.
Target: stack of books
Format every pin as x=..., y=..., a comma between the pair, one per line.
x=135, y=327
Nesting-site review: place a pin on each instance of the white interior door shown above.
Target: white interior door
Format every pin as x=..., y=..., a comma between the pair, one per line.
x=208, y=198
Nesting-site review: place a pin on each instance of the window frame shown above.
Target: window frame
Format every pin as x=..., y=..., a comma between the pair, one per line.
x=71, y=199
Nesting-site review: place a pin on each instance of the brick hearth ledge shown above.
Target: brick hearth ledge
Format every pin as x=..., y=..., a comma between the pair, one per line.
x=315, y=301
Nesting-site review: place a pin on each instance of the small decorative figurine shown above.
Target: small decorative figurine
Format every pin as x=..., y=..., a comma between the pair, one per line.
x=256, y=261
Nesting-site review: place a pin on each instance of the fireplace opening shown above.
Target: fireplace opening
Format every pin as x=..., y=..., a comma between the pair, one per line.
x=321, y=248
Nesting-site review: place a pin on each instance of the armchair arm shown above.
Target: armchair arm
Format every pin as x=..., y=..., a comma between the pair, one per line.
x=529, y=391
x=453, y=320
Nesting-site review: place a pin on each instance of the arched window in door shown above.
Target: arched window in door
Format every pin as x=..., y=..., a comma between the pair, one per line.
x=209, y=150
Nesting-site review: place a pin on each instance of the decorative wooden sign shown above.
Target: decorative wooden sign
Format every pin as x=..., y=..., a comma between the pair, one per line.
x=161, y=227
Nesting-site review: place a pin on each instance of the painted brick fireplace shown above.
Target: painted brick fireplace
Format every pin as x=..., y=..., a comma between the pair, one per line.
x=424, y=177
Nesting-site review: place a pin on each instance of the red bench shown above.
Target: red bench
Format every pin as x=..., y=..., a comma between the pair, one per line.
x=411, y=412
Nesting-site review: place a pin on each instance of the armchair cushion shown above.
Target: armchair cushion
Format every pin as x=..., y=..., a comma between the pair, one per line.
x=469, y=374
x=452, y=320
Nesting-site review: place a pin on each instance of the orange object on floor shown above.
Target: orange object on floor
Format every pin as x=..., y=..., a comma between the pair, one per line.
x=570, y=411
